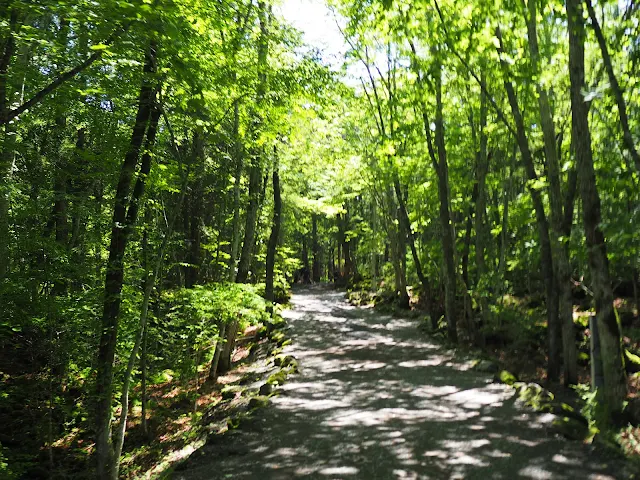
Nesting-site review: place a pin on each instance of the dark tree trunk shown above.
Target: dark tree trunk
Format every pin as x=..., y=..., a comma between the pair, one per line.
x=615, y=382
x=124, y=217
x=273, y=238
x=404, y=218
x=559, y=240
x=315, y=247
x=546, y=259
x=616, y=89
x=194, y=219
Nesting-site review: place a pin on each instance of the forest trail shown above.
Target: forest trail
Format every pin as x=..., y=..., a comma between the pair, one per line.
x=377, y=400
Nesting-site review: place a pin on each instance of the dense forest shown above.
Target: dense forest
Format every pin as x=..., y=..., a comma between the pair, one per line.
x=169, y=168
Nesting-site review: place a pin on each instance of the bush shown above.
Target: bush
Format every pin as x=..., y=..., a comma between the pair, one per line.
x=194, y=317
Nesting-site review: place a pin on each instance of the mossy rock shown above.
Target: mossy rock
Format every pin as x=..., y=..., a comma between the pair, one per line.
x=486, y=366
x=230, y=392
x=534, y=396
x=259, y=401
x=506, y=377
x=570, y=428
x=285, y=361
x=266, y=389
x=250, y=377
x=277, y=378
x=277, y=336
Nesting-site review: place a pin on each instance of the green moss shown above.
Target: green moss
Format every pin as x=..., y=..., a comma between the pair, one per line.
x=259, y=401
x=277, y=378
x=507, y=377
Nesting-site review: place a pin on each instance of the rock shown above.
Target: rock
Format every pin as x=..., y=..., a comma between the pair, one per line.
x=230, y=392
x=486, y=366
x=565, y=410
x=284, y=361
x=249, y=378
x=570, y=428
x=534, y=396
x=266, y=389
x=519, y=386
x=505, y=377
x=278, y=377
x=259, y=401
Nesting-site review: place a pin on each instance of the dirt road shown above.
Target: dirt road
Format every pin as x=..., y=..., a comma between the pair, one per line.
x=376, y=399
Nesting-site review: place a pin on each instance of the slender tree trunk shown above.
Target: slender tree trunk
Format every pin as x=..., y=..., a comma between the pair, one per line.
x=546, y=258
x=482, y=235
x=315, y=248
x=559, y=240
x=406, y=223
x=615, y=382
x=124, y=218
x=7, y=49
x=616, y=89
x=448, y=236
x=215, y=361
x=255, y=170
x=194, y=219
x=237, y=150
x=273, y=238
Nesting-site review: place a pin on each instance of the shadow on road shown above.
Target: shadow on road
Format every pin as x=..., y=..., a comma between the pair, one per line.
x=376, y=400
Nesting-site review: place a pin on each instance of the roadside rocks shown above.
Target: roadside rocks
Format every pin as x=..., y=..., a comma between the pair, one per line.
x=486, y=366
x=259, y=401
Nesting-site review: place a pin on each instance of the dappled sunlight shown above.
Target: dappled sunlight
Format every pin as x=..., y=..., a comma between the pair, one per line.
x=376, y=400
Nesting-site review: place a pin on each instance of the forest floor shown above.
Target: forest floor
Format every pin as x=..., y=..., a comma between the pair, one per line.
x=375, y=398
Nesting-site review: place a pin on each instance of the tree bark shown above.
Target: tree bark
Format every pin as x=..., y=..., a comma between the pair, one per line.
x=124, y=217
x=615, y=382
x=404, y=218
x=315, y=250
x=439, y=159
x=237, y=151
x=546, y=258
x=559, y=240
x=616, y=89
x=273, y=238
x=8, y=50
x=482, y=235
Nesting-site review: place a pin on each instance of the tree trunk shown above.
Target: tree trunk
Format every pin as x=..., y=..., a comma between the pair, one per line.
x=546, y=259
x=448, y=236
x=482, y=234
x=215, y=361
x=255, y=170
x=8, y=49
x=237, y=151
x=250, y=221
x=273, y=238
x=616, y=89
x=615, y=382
x=559, y=240
x=124, y=218
x=315, y=247
x=406, y=223
x=194, y=219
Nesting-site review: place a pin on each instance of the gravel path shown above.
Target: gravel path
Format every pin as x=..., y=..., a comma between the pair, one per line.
x=377, y=400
